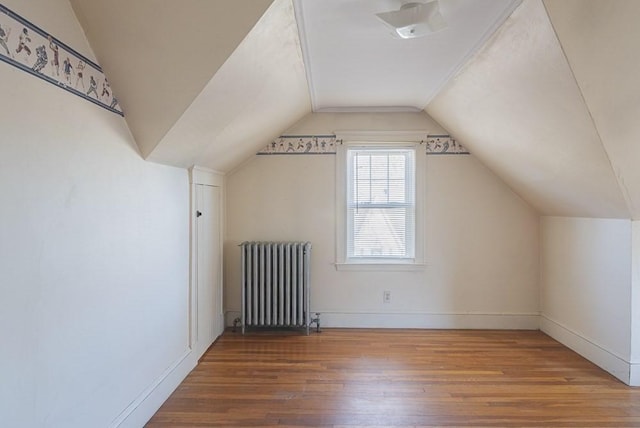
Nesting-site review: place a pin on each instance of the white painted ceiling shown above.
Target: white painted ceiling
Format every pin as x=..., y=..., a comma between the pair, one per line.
x=354, y=62
x=544, y=94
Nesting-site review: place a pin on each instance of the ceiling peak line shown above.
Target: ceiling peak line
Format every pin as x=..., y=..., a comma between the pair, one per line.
x=369, y=109
x=304, y=48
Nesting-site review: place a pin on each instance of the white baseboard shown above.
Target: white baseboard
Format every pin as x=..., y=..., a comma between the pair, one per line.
x=590, y=350
x=149, y=401
x=634, y=374
x=421, y=320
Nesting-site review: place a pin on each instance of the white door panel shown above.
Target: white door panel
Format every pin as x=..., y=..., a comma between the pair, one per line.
x=208, y=290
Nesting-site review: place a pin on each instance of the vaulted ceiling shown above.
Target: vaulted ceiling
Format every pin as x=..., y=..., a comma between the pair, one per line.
x=543, y=93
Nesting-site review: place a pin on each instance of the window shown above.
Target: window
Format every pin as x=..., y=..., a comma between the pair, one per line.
x=379, y=208
x=380, y=203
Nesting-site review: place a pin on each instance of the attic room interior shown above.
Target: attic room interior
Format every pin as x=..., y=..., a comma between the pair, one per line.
x=510, y=127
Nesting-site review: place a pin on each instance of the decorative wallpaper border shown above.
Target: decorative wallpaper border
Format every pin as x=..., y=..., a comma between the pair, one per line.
x=301, y=145
x=326, y=145
x=30, y=49
x=444, y=145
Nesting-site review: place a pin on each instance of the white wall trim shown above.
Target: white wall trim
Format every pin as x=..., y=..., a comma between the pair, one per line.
x=431, y=320
x=206, y=176
x=634, y=374
x=149, y=401
x=589, y=349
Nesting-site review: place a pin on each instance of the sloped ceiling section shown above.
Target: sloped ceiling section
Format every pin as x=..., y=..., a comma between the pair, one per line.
x=517, y=107
x=601, y=42
x=159, y=55
x=258, y=92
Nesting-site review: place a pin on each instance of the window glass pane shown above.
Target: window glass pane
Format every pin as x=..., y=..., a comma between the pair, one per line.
x=362, y=191
x=379, y=163
x=396, y=167
x=379, y=191
x=379, y=232
x=397, y=191
x=362, y=166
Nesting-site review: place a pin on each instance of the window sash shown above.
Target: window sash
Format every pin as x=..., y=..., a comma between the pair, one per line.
x=391, y=229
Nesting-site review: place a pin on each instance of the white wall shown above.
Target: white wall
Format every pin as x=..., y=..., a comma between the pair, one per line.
x=93, y=253
x=586, y=288
x=481, y=241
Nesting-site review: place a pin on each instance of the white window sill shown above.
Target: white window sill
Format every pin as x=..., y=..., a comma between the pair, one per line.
x=389, y=267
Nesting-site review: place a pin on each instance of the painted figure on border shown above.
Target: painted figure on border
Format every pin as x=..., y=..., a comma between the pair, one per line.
x=80, y=74
x=23, y=39
x=55, y=62
x=67, y=68
x=4, y=39
x=41, y=62
x=105, y=89
x=93, y=85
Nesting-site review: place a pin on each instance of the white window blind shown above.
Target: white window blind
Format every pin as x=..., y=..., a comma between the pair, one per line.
x=381, y=203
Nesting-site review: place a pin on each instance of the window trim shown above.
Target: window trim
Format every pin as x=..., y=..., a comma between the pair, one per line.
x=386, y=264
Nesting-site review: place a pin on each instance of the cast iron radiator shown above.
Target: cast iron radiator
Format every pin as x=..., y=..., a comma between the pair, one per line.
x=275, y=284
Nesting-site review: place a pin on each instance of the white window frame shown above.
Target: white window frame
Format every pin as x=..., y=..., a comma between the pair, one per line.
x=379, y=141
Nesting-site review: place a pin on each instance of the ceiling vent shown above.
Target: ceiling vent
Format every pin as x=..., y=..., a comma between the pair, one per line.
x=415, y=19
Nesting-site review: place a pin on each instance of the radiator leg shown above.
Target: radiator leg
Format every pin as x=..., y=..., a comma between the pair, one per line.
x=316, y=321
x=235, y=324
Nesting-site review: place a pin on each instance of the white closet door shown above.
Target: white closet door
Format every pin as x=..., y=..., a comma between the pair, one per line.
x=208, y=268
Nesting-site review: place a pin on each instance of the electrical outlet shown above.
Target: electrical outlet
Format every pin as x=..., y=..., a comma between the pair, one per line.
x=386, y=296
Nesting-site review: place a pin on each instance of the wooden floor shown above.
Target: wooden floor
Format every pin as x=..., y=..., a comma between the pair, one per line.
x=383, y=378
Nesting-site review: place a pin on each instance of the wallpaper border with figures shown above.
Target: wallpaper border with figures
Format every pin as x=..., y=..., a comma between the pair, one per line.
x=301, y=145
x=326, y=145
x=444, y=145
x=30, y=49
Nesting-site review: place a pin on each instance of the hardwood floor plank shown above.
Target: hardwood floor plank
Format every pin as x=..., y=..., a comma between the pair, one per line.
x=404, y=378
